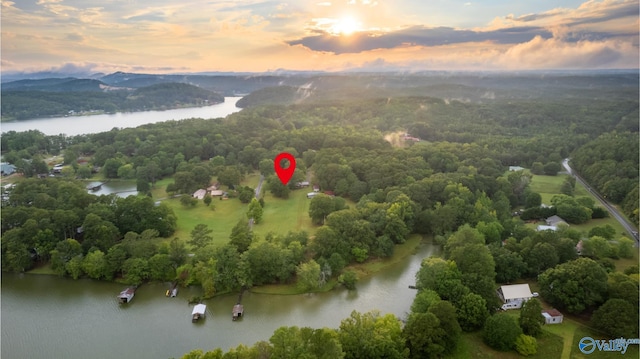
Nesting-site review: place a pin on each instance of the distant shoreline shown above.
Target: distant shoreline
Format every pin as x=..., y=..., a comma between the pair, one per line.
x=102, y=112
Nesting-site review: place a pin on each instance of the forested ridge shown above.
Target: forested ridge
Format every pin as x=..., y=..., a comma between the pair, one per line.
x=79, y=96
x=451, y=185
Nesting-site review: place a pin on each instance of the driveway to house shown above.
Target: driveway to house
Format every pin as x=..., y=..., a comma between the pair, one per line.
x=258, y=190
x=633, y=232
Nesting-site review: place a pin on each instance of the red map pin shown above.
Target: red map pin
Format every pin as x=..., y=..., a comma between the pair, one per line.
x=284, y=174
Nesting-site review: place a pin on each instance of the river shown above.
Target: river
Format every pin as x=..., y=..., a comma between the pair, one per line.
x=77, y=125
x=51, y=317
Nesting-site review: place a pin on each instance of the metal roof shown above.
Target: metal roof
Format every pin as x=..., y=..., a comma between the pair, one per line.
x=516, y=291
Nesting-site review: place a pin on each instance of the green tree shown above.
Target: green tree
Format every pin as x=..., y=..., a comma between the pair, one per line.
x=74, y=267
x=94, y=265
x=241, y=236
x=596, y=248
x=509, y=265
x=471, y=312
x=135, y=270
x=64, y=252
x=188, y=201
x=320, y=207
x=540, y=257
x=207, y=199
x=294, y=342
x=533, y=199
x=537, y=168
x=625, y=247
x=446, y=314
x=372, y=336
x=348, y=279
x=161, y=268
x=200, y=236
x=617, y=318
x=255, y=211
x=575, y=285
x=230, y=176
x=308, y=275
x=423, y=300
x=526, y=345
x=531, y=319
x=423, y=336
x=501, y=331
x=552, y=168
x=277, y=188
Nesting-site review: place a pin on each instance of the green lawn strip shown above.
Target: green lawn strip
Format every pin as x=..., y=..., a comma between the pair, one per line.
x=281, y=216
x=547, y=186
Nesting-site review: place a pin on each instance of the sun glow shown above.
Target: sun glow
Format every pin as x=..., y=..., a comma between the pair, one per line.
x=346, y=26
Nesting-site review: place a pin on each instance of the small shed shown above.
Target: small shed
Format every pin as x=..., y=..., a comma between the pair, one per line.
x=198, y=312
x=552, y=316
x=126, y=295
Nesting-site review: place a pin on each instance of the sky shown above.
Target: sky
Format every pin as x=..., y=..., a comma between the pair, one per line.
x=168, y=36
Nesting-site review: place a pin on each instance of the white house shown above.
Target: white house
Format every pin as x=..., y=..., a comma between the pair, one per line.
x=552, y=316
x=513, y=296
x=199, y=194
x=515, y=168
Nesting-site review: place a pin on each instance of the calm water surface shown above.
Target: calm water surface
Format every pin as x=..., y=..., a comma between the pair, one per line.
x=77, y=125
x=52, y=317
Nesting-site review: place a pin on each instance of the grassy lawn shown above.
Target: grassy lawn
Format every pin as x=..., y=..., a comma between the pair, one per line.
x=471, y=346
x=283, y=215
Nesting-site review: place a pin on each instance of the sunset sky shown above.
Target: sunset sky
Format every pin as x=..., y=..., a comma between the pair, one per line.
x=163, y=36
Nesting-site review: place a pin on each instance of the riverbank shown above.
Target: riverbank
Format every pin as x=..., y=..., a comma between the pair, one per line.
x=363, y=270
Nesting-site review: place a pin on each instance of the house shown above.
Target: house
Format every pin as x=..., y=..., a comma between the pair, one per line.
x=302, y=184
x=199, y=194
x=6, y=168
x=217, y=193
x=555, y=221
x=515, y=168
x=546, y=228
x=513, y=296
x=552, y=316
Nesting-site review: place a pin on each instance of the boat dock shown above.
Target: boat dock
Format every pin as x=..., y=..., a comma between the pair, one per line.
x=173, y=291
x=238, y=310
x=127, y=295
x=198, y=312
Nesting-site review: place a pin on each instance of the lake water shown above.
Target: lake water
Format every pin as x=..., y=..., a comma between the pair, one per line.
x=120, y=188
x=77, y=125
x=52, y=317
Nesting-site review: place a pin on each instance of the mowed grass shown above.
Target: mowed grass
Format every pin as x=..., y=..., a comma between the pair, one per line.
x=549, y=186
x=471, y=346
x=281, y=216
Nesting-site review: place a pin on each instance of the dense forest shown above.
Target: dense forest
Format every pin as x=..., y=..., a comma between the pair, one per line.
x=451, y=184
x=81, y=96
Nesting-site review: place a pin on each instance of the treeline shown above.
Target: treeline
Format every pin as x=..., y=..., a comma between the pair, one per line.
x=21, y=105
x=609, y=163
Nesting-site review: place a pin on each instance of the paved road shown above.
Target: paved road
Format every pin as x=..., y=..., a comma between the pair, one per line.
x=633, y=231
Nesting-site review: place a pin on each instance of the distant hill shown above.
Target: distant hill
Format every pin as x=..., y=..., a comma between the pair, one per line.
x=54, y=85
x=79, y=96
x=279, y=95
